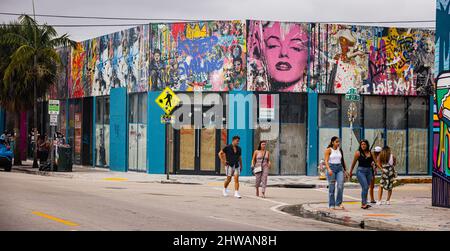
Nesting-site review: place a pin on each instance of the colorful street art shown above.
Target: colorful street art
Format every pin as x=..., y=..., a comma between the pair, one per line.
x=442, y=97
x=59, y=89
x=375, y=60
x=401, y=62
x=76, y=83
x=441, y=125
x=114, y=60
x=340, y=57
x=200, y=56
x=277, y=56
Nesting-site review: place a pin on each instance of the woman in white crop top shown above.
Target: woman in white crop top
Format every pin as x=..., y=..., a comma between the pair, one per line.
x=334, y=161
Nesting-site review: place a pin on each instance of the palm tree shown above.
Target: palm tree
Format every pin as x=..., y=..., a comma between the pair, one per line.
x=30, y=67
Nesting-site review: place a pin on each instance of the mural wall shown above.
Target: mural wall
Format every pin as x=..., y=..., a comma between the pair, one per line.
x=375, y=60
x=277, y=56
x=274, y=56
x=59, y=88
x=206, y=56
x=441, y=149
x=114, y=60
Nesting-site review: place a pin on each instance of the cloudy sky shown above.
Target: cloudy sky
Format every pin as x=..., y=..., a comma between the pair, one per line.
x=283, y=10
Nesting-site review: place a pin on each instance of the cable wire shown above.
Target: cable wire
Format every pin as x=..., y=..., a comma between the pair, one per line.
x=196, y=20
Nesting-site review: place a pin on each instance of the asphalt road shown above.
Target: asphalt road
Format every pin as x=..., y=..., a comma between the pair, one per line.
x=31, y=202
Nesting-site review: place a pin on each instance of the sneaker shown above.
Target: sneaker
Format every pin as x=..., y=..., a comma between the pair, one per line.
x=331, y=207
x=387, y=202
x=341, y=207
x=237, y=195
x=379, y=203
x=225, y=192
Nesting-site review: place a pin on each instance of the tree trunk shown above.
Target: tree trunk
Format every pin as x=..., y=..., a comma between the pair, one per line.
x=17, y=157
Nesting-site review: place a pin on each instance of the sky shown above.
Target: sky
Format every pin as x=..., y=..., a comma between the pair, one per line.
x=281, y=10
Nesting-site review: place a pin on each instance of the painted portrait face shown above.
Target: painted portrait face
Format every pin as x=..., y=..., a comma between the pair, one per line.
x=345, y=43
x=237, y=65
x=157, y=56
x=286, y=51
x=236, y=51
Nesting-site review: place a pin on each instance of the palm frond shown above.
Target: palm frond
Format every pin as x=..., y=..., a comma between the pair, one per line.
x=13, y=39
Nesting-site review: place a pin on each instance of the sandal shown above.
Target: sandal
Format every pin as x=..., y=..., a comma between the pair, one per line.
x=366, y=206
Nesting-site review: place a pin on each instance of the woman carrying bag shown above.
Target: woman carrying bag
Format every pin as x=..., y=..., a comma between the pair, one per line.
x=261, y=166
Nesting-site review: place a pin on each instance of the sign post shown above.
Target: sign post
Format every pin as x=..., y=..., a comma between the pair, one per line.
x=167, y=100
x=53, y=111
x=352, y=96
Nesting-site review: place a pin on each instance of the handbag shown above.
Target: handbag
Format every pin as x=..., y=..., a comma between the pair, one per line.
x=258, y=169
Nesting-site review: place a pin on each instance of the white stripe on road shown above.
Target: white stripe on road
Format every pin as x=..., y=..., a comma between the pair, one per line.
x=275, y=209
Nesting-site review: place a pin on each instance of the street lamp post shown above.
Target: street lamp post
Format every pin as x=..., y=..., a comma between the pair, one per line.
x=35, y=165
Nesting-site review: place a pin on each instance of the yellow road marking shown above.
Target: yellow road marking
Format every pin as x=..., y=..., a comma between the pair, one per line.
x=65, y=222
x=352, y=202
x=380, y=215
x=116, y=179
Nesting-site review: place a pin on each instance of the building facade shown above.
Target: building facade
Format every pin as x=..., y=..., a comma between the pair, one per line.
x=441, y=164
x=109, y=84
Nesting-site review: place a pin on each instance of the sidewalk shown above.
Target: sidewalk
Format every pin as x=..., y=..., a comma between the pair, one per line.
x=90, y=173
x=414, y=214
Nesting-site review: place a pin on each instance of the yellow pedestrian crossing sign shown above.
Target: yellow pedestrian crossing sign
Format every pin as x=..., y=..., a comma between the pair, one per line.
x=167, y=100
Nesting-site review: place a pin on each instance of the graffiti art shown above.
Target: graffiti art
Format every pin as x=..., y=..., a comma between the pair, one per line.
x=277, y=56
x=375, y=60
x=441, y=128
x=114, y=60
x=200, y=56
x=59, y=89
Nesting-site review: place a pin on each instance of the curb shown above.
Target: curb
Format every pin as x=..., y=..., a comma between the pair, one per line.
x=42, y=173
x=306, y=211
x=178, y=182
x=415, y=181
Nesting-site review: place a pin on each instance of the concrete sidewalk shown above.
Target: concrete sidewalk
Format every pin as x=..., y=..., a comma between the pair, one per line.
x=413, y=214
x=90, y=173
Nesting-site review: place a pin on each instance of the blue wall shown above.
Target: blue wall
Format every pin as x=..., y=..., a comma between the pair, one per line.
x=118, y=140
x=156, y=137
x=312, y=151
x=246, y=133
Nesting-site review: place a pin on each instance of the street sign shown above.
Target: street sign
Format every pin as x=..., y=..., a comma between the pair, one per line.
x=352, y=95
x=167, y=100
x=266, y=107
x=53, y=106
x=166, y=119
x=53, y=120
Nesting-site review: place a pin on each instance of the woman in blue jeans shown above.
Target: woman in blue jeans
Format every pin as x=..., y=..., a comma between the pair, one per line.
x=364, y=173
x=334, y=161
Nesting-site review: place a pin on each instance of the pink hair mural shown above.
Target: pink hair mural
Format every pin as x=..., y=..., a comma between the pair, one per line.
x=278, y=56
